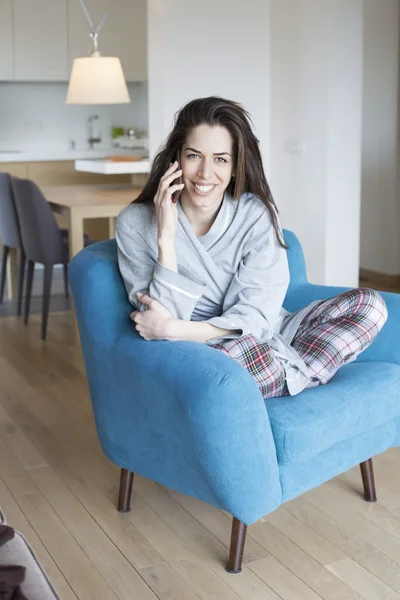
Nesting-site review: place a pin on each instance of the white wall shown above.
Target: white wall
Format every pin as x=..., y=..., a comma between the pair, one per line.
x=344, y=141
x=296, y=65
x=35, y=116
x=316, y=100
x=380, y=210
x=208, y=48
x=299, y=112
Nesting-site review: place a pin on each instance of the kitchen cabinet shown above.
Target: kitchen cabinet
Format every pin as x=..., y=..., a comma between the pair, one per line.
x=40, y=40
x=124, y=33
x=6, y=41
x=62, y=172
x=16, y=169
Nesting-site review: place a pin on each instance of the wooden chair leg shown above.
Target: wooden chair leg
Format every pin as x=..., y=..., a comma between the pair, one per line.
x=3, y=273
x=125, y=491
x=238, y=539
x=367, y=474
x=29, y=282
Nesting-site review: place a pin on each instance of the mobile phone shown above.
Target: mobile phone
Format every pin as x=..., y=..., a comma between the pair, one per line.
x=175, y=195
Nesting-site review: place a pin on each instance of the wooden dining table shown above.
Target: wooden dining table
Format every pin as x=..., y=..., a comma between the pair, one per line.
x=82, y=202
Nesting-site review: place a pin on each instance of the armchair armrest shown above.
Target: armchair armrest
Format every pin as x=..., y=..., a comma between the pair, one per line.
x=187, y=416
x=386, y=347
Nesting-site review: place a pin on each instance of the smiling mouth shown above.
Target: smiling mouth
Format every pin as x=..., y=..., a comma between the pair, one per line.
x=203, y=189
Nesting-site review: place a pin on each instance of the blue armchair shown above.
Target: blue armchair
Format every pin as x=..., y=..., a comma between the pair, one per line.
x=189, y=417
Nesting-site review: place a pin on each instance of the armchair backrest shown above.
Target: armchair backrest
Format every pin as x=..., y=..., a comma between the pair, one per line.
x=100, y=295
x=297, y=263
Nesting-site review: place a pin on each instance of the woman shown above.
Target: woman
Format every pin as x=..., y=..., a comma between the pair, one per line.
x=203, y=258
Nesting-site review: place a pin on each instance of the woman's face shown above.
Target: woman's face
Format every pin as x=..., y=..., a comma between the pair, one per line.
x=206, y=161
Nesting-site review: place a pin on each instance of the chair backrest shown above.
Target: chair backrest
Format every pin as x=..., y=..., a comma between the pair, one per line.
x=9, y=226
x=40, y=234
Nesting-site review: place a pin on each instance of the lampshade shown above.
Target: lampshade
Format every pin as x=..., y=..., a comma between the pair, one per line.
x=97, y=80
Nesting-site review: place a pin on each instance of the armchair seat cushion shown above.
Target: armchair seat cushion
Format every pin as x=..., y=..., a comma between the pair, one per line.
x=361, y=396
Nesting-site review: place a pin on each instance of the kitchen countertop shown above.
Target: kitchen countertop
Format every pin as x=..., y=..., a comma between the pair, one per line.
x=106, y=167
x=57, y=154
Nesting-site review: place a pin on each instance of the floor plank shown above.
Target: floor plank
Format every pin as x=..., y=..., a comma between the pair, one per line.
x=201, y=540
x=282, y=580
x=362, y=581
x=167, y=583
x=305, y=567
x=99, y=548
x=296, y=560
x=85, y=580
x=316, y=511
x=21, y=524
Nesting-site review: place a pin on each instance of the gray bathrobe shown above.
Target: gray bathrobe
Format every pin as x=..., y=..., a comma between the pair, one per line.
x=234, y=277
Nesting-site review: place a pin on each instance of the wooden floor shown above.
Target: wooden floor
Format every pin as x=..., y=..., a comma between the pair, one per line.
x=60, y=492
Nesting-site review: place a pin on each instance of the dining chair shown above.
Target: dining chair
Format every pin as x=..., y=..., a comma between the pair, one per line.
x=43, y=241
x=10, y=237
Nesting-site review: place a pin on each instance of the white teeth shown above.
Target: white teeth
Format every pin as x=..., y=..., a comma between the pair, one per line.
x=203, y=188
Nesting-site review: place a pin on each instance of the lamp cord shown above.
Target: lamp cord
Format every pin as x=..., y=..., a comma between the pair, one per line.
x=94, y=32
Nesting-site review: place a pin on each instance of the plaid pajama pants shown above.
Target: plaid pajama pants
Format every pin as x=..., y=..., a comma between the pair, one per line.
x=331, y=334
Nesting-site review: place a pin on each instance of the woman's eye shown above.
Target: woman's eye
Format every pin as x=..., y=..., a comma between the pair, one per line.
x=219, y=159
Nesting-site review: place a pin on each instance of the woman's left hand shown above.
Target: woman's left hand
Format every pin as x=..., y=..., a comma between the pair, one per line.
x=152, y=324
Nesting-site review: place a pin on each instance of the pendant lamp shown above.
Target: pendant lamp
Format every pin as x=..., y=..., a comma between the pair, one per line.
x=97, y=79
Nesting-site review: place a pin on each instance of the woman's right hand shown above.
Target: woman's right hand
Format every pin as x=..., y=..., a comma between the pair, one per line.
x=166, y=209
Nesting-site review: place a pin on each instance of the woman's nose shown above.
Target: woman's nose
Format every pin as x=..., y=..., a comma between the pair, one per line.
x=205, y=169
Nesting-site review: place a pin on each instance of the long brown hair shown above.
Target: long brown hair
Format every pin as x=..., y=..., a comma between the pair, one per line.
x=249, y=171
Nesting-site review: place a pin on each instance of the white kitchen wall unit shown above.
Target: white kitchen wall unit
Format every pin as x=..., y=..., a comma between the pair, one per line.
x=124, y=33
x=40, y=40
x=6, y=41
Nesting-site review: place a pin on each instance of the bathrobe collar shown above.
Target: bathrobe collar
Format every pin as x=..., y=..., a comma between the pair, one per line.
x=217, y=229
